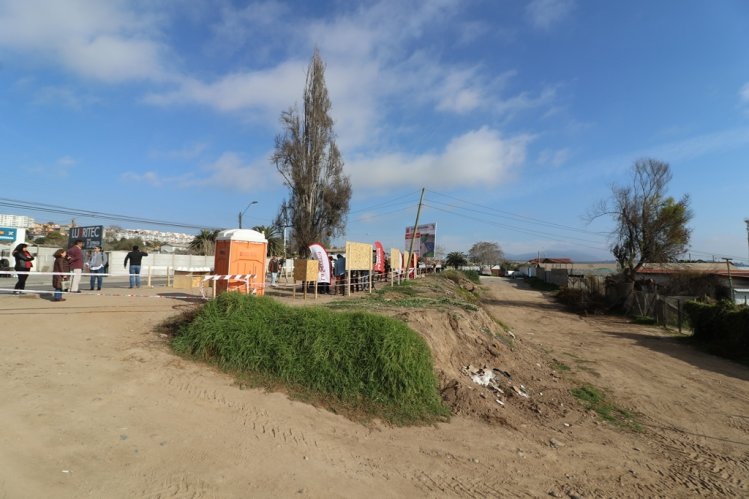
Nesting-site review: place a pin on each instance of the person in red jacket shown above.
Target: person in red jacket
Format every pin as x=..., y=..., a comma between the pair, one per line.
x=75, y=261
x=23, y=264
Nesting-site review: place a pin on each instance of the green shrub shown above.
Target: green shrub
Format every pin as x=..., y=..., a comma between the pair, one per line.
x=472, y=275
x=596, y=400
x=458, y=275
x=722, y=327
x=366, y=360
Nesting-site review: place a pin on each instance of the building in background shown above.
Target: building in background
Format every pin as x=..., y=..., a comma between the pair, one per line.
x=16, y=221
x=175, y=239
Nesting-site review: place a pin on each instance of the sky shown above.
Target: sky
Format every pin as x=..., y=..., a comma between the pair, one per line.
x=516, y=117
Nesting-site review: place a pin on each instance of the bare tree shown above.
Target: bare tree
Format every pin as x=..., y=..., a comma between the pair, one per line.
x=308, y=159
x=486, y=253
x=650, y=227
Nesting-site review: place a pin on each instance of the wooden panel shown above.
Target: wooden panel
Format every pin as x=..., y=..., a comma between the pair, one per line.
x=358, y=256
x=395, y=259
x=306, y=270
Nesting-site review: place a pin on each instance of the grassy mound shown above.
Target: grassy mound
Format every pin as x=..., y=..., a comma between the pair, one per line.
x=365, y=360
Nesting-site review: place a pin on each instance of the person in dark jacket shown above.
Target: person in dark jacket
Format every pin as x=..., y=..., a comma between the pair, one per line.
x=135, y=258
x=23, y=264
x=59, y=268
x=75, y=260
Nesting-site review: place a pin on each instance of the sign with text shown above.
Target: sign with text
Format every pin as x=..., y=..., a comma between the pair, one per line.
x=7, y=234
x=424, y=240
x=91, y=236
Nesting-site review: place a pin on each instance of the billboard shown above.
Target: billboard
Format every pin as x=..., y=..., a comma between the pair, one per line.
x=424, y=241
x=91, y=236
x=7, y=234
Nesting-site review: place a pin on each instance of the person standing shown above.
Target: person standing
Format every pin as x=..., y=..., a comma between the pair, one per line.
x=96, y=264
x=75, y=260
x=59, y=268
x=273, y=269
x=340, y=273
x=23, y=264
x=135, y=258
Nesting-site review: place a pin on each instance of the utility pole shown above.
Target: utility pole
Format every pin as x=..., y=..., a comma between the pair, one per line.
x=413, y=235
x=730, y=281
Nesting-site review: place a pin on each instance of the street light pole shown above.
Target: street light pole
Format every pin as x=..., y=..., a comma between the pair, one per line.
x=243, y=212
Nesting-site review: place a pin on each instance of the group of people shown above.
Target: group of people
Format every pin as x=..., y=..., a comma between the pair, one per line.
x=338, y=279
x=69, y=265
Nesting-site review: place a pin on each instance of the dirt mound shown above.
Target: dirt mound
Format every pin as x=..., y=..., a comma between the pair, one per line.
x=485, y=370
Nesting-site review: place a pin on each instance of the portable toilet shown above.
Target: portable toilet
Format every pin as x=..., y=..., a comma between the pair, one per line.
x=240, y=253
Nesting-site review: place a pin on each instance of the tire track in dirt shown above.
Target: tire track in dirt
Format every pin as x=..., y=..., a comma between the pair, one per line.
x=258, y=421
x=177, y=485
x=700, y=469
x=263, y=427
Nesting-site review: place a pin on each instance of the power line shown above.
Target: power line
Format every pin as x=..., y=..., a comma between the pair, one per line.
x=391, y=202
x=49, y=208
x=520, y=229
x=494, y=211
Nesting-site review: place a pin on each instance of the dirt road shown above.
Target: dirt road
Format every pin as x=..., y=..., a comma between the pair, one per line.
x=94, y=404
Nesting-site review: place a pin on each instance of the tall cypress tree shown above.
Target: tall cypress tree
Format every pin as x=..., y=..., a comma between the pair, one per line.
x=308, y=159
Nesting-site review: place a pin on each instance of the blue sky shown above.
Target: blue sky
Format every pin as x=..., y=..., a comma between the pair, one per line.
x=516, y=116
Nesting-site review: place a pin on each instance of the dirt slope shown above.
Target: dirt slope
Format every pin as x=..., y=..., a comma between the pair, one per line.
x=95, y=404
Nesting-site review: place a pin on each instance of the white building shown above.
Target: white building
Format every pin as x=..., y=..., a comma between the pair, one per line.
x=16, y=221
x=177, y=239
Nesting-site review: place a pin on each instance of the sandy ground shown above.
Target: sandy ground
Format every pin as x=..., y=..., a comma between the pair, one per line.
x=94, y=404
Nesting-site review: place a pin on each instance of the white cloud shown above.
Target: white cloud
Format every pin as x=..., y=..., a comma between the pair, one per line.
x=370, y=70
x=478, y=157
x=188, y=152
x=544, y=14
x=150, y=177
x=525, y=100
x=744, y=93
x=270, y=90
x=229, y=171
x=66, y=161
x=549, y=157
x=107, y=41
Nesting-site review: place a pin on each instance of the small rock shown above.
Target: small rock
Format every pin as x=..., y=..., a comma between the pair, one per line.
x=475, y=460
x=555, y=443
x=637, y=449
x=567, y=425
x=306, y=458
x=554, y=493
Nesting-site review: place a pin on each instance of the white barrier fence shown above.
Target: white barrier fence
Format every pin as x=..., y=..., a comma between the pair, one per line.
x=157, y=262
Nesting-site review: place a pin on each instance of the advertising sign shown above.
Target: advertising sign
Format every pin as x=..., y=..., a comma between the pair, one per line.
x=323, y=262
x=91, y=236
x=379, y=263
x=7, y=234
x=425, y=239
